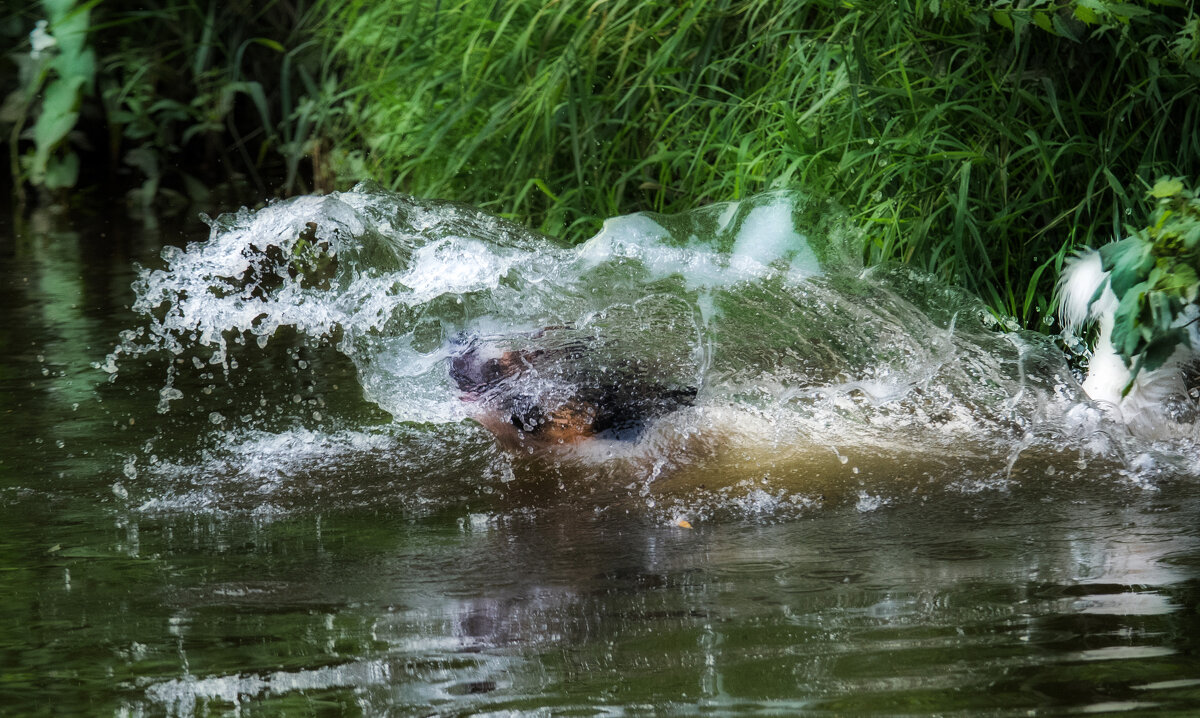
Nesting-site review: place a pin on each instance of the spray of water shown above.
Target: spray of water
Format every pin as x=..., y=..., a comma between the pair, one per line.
x=805, y=374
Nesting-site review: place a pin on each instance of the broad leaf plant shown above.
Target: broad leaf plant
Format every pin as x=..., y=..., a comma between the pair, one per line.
x=1155, y=275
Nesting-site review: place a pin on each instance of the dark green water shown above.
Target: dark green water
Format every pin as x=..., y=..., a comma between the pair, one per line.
x=316, y=559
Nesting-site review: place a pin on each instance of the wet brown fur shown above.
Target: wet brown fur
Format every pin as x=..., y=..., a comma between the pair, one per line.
x=615, y=407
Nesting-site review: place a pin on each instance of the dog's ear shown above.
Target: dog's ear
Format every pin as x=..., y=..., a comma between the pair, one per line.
x=497, y=369
x=474, y=371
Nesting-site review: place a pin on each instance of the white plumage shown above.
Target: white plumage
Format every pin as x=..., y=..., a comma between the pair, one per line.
x=1158, y=404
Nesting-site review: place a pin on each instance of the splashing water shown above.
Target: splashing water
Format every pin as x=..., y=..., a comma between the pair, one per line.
x=807, y=375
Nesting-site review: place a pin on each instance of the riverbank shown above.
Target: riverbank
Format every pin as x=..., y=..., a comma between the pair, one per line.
x=975, y=140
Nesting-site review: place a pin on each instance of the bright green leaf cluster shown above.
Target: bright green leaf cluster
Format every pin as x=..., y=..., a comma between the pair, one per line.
x=63, y=82
x=1155, y=274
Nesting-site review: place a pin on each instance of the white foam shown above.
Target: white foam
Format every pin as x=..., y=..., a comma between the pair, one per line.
x=765, y=242
x=454, y=265
x=768, y=235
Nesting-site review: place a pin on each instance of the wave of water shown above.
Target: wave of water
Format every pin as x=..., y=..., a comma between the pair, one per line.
x=813, y=376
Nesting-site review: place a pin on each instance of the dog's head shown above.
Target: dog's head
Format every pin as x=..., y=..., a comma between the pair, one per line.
x=479, y=368
x=534, y=396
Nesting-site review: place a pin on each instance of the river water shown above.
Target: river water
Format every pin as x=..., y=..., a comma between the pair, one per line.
x=242, y=480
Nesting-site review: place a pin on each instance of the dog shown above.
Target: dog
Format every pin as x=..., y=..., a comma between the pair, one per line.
x=1154, y=404
x=535, y=398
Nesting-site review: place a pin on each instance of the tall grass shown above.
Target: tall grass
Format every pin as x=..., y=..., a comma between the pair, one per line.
x=979, y=139
x=975, y=139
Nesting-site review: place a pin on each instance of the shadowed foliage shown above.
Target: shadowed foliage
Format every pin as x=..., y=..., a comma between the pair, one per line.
x=979, y=139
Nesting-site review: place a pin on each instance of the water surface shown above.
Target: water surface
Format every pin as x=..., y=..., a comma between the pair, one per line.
x=894, y=508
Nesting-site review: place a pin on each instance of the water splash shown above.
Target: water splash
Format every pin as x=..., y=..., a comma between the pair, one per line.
x=805, y=366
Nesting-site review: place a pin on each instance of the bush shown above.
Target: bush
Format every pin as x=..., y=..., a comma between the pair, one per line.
x=978, y=139
x=975, y=139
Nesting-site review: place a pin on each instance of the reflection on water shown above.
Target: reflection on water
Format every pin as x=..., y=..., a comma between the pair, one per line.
x=842, y=612
x=276, y=544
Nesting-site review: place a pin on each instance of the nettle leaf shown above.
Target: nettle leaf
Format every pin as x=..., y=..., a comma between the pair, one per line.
x=1160, y=350
x=1155, y=274
x=1125, y=11
x=1042, y=20
x=1166, y=187
x=1162, y=308
x=1177, y=278
x=1191, y=236
x=1062, y=29
x=1127, y=335
x=1156, y=354
x=1086, y=14
x=60, y=110
x=1128, y=262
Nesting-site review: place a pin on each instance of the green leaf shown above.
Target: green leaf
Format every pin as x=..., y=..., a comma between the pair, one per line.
x=1128, y=10
x=1162, y=312
x=60, y=110
x=57, y=9
x=1126, y=335
x=1062, y=28
x=1129, y=261
x=1166, y=188
x=71, y=30
x=254, y=91
x=268, y=42
x=1160, y=350
x=541, y=184
x=1191, y=237
x=1085, y=14
x=62, y=172
x=1042, y=20
x=1177, y=279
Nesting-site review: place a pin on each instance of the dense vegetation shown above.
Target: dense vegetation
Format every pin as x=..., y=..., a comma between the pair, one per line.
x=981, y=139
